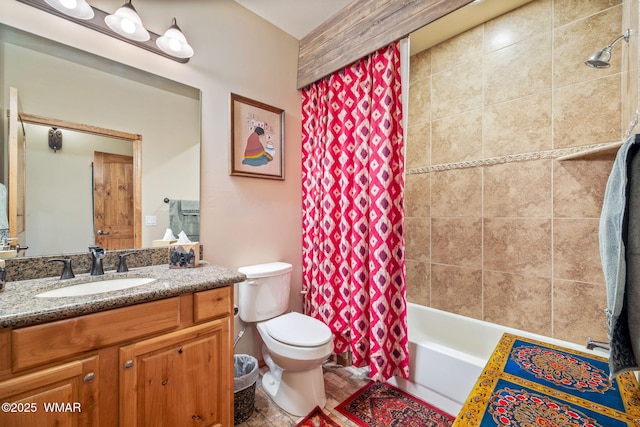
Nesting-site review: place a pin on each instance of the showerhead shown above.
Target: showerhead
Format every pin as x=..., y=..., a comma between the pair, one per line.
x=601, y=58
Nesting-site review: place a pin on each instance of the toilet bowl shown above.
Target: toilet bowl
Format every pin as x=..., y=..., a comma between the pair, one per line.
x=294, y=345
x=295, y=381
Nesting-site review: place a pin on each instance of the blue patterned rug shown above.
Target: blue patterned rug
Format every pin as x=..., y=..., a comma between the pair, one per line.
x=531, y=383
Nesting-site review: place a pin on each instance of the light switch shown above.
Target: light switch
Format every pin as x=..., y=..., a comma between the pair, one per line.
x=150, y=220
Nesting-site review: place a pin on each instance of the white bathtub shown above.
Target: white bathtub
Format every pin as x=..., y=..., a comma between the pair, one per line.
x=448, y=352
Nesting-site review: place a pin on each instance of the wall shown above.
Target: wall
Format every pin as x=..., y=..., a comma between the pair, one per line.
x=243, y=220
x=497, y=228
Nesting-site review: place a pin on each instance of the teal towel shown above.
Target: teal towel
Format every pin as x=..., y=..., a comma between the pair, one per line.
x=184, y=215
x=189, y=207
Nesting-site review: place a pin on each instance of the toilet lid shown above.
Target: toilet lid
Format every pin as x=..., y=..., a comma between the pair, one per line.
x=299, y=330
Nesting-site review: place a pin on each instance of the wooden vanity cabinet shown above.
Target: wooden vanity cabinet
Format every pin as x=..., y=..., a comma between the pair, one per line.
x=162, y=363
x=65, y=395
x=178, y=379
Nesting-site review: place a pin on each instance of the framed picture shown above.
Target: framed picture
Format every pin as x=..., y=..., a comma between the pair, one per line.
x=257, y=139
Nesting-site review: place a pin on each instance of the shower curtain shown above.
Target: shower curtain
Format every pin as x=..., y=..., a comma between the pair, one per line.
x=353, y=185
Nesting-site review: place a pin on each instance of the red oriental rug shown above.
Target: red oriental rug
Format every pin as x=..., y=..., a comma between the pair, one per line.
x=382, y=405
x=316, y=418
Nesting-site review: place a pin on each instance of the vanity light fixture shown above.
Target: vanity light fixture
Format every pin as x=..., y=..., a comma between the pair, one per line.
x=76, y=8
x=124, y=24
x=174, y=42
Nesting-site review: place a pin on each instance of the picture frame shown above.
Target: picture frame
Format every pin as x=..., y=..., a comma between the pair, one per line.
x=257, y=139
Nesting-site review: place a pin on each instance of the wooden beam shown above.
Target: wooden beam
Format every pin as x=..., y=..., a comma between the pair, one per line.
x=79, y=127
x=361, y=28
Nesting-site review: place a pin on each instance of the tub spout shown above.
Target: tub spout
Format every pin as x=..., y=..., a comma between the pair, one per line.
x=591, y=344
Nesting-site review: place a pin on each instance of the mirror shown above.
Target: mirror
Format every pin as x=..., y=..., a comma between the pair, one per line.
x=62, y=83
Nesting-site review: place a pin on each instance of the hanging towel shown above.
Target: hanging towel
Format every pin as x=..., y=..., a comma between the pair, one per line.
x=189, y=207
x=613, y=239
x=4, y=221
x=184, y=215
x=631, y=304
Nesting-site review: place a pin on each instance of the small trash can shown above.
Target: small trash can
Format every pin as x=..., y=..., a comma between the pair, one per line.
x=245, y=375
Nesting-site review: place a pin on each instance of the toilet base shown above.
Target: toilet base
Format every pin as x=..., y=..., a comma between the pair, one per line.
x=296, y=392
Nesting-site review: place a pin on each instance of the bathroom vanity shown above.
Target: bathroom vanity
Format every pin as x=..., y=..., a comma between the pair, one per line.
x=156, y=354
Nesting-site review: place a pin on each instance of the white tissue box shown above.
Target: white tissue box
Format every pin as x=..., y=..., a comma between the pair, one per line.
x=184, y=255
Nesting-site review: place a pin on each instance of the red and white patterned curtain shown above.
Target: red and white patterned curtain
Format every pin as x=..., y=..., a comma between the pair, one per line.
x=353, y=213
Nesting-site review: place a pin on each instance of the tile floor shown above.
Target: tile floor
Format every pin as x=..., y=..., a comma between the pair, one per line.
x=340, y=383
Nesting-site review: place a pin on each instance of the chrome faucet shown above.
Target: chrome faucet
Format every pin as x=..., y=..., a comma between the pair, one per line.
x=591, y=344
x=97, y=253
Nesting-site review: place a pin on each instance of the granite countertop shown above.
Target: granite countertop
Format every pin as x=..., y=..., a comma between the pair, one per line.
x=19, y=305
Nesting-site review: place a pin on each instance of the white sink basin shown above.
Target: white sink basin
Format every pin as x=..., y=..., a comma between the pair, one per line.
x=97, y=287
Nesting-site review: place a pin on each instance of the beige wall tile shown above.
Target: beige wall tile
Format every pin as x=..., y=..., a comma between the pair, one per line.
x=527, y=21
x=587, y=113
x=418, y=145
x=457, y=192
x=417, y=197
x=455, y=91
x=418, y=282
x=518, y=189
x=457, y=241
x=578, y=187
x=417, y=238
x=567, y=11
x=578, y=311
x=537, y=215
x=419, y=102
x=575, y=43
x=464, y=49
x=576, y=254
x=521, y=246
x=522, y=125
x=519, y=70
x=457, y=138
x=420, y=66
x=518, y=301
x=457, y=289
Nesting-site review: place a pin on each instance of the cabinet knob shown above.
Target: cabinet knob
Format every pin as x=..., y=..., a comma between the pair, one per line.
x=89, y=377
x=128, y=364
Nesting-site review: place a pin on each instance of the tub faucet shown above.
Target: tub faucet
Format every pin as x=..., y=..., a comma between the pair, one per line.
x=591, y=344
x=97, y=254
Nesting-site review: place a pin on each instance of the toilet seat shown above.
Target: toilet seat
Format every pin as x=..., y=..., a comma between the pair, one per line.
x=298, y=330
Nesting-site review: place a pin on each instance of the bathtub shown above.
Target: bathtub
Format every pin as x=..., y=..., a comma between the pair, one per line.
x=448, y=352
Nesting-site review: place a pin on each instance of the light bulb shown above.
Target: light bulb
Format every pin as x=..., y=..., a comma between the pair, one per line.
x=75, y=8
x=128, y=26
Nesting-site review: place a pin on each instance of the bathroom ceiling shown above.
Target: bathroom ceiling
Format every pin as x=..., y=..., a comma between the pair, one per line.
x=296, y=17
x=299, y=18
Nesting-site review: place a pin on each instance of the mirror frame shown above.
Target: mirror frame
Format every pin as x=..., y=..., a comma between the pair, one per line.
x=135, y=139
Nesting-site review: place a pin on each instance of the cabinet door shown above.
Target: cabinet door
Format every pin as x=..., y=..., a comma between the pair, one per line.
x=63, y=395
x=184, y=378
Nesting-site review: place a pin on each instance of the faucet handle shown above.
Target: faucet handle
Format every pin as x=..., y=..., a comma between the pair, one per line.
x=97, y=251
x=67, y=272
x=122, y=264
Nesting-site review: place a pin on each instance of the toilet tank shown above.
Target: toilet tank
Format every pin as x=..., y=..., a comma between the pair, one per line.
x=265, y=293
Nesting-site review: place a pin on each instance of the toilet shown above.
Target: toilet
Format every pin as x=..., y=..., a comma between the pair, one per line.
x=294, y=345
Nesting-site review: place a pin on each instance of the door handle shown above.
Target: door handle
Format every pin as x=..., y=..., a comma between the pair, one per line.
x=101, y=232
